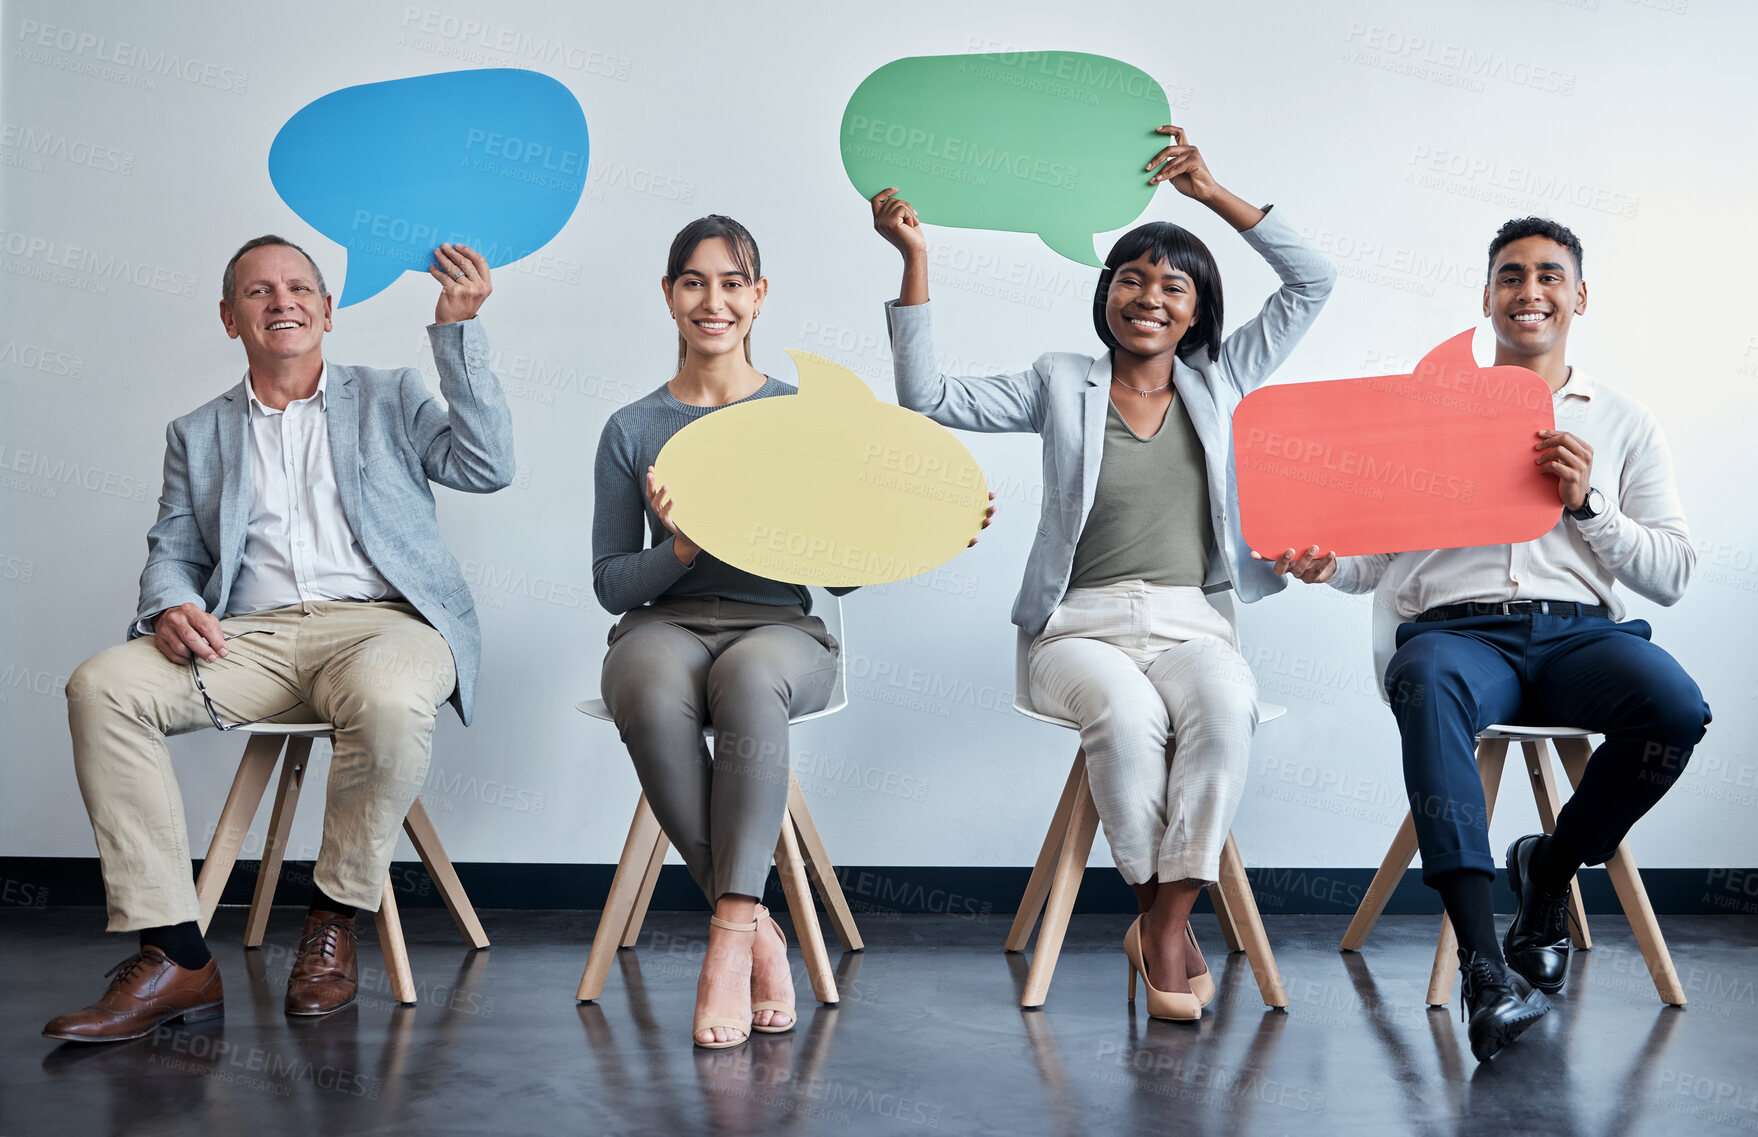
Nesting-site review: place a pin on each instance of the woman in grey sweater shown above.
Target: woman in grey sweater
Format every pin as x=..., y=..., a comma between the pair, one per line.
x=700, y=641
x=1139, y=521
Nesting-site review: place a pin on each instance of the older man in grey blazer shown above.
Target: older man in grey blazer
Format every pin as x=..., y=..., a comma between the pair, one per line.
x=296, y=572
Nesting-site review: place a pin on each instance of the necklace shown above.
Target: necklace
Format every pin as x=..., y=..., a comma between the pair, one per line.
x=1138, y=390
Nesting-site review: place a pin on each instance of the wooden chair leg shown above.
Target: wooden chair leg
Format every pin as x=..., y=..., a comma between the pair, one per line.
x=1224, y=916
x=1634, y=898
x=445, y=877
x=390, y=939
x=1038, y=887
x=1492, y=753
x=1250, y=925
x=625, y=886
x=254, y=770
x=1574, y=754
x=1446, y=965
x=1544, y=791
x=791, y=867
x=649, y=881
x=274, y=846
x=1385, y=882
x=819, y=868
x=1071, y=866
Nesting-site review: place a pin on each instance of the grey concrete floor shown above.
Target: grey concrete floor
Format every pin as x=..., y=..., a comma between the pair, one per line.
x=928, y=1038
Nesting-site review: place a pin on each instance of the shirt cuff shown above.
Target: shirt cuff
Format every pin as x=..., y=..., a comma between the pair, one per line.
x=1595, y=529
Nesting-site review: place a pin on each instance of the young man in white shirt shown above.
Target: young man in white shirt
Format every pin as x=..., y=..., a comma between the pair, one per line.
x=1531, y=633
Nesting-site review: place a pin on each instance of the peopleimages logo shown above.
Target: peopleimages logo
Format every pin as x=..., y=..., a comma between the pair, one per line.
x=63, y=472
x=52, y=254
x=101, y=57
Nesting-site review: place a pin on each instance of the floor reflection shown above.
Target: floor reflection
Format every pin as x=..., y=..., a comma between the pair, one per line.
x=1063, y=1109
x=1189, y=1077
x=929, y=1038
x=772, y=1083
x=1528, y=1087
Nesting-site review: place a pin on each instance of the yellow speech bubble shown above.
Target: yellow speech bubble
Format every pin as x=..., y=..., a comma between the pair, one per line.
x=828, y=487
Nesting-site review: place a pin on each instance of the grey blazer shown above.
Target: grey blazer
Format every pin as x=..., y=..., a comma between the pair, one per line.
x=388, y=438
x=1063, y=398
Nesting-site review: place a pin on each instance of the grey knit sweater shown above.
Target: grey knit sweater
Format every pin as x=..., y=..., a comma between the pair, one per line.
x=627, y=575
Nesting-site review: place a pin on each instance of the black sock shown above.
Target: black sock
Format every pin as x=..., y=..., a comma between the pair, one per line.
x=321, y=901
x=1553, y=864
x=181, y=943
x=1466, y=895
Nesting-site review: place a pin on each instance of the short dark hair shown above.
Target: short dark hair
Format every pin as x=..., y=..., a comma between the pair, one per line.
x=1533, y=227
x=1181, y=249
x=738, y=239
x=229, y=281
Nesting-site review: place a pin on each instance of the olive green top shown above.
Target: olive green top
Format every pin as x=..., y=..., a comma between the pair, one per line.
x=1150, y=517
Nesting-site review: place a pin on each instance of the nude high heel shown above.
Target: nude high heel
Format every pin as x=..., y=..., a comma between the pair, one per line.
x=743, y=1026
x=1202, y=986
x=773, y=1004
x=1176, y=1006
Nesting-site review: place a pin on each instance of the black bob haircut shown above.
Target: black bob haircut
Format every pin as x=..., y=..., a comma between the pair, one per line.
x=1522, y=227
x=1178, y=247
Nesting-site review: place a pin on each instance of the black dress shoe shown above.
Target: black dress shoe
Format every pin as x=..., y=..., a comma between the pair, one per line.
x=1498, y=1004
x=1537, y=943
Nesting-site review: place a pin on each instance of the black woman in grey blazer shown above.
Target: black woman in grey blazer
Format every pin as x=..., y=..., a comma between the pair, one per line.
x=1139, y=522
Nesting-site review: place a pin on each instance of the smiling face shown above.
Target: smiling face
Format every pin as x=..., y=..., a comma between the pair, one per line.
x=1532, y=295
x=714, y=300
x=1149, y=306
x=277, y=309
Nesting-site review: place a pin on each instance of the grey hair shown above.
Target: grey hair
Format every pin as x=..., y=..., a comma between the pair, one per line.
x=229, y=282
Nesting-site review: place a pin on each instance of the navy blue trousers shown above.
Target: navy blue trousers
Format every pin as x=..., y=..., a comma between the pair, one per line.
x=1451, y=678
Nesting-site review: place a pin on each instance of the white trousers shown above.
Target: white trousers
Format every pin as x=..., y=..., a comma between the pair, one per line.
x=1137, y=665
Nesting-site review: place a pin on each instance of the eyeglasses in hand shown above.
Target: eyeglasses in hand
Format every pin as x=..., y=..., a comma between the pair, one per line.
x=195, y=674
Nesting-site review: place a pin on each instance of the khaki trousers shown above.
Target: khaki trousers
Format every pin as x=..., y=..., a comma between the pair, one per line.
x=373, y=669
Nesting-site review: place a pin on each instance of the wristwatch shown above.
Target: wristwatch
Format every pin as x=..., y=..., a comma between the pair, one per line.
x=1591, y=506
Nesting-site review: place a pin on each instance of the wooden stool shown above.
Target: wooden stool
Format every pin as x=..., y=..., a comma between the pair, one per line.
x=1062, y=862
x=1492, y=745
x=800, y=857
x=800, y=860
x=260, y=755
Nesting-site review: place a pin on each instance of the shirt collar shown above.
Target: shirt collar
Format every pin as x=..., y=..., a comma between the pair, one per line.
x=323, y=399
x=1580, y=383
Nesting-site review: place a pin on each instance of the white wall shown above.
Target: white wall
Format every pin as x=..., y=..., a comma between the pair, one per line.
x=1327, y=110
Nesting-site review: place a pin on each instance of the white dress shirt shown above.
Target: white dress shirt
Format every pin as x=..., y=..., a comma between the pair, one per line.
x=1639, y=540
x=297, y=545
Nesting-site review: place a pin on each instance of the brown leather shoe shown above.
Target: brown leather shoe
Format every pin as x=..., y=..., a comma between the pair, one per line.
x=325, y=976
x=148, y=990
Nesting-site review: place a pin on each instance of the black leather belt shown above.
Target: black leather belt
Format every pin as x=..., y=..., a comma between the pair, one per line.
x=1515, y=608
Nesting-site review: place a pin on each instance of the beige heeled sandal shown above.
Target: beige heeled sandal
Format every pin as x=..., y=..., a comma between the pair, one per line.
x=773, y=1004
x=1176, y=1006
x=743, y=1026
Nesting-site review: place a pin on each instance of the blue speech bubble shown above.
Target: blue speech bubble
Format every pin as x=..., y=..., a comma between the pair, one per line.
x=494, y=159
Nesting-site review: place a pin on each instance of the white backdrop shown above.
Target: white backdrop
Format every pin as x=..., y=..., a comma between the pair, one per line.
x=1398, y=136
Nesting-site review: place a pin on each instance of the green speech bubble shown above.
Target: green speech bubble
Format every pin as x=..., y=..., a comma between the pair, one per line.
x=1048, y=142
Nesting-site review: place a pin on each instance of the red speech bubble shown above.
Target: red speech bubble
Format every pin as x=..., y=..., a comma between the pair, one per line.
x=1441, y=458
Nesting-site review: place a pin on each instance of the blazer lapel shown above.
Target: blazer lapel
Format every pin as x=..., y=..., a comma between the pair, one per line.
x=1092, y=435
x=343, y=413
x=233, y=429
x=1214, y=431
